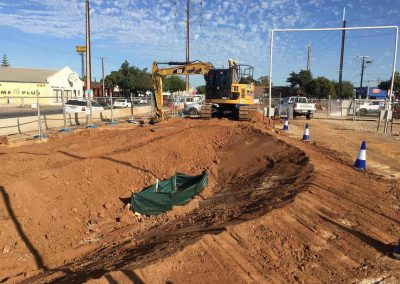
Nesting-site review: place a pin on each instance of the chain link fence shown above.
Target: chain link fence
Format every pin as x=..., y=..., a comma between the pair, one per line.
x=27, y=117
x=371, y=111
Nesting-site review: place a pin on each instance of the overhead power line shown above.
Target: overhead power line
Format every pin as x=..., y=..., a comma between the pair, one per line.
x=376, y=17
x=378, y=35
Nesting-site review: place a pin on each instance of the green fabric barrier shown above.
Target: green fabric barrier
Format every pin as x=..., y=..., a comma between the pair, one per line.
x=177, y=190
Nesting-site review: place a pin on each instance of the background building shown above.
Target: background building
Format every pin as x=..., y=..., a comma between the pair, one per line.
x=20, y=85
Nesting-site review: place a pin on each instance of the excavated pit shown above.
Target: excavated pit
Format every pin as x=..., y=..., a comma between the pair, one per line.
x=78, y=230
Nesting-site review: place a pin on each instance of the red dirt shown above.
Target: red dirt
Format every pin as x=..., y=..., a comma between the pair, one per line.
x=272, y=213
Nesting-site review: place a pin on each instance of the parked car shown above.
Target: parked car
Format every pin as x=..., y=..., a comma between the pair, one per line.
x=373, y=107
x=193, y=108
x=122, y=103
x=80, y=106
x=299, y=105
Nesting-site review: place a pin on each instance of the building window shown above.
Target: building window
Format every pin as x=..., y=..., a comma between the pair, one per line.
x=56, y=95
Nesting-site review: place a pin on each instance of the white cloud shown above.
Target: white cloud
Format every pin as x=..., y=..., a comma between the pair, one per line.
x=229, y=28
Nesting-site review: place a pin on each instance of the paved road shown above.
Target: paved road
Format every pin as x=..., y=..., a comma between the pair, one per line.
x=16, y=111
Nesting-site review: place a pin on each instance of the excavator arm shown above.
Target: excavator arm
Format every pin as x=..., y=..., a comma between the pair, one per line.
x=179, y=68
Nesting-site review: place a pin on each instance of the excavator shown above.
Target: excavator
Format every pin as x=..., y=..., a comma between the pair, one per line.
x=229, y=92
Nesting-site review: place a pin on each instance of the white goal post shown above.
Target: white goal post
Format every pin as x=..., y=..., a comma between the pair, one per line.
x=335, y=29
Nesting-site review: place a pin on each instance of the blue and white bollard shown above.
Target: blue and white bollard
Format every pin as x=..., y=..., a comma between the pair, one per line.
x=306, y=135
x=286, y=125
x=361, y=162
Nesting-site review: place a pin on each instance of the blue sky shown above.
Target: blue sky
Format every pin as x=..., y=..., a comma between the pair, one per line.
x=44, y=33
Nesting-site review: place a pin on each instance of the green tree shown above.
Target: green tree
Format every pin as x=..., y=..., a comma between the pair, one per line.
x=5, y=62
x=130, y=79
x=385, y=85
x=347, y=89
x=300, y=83
x=321, y=87
x=201, y=89
x=173, y=83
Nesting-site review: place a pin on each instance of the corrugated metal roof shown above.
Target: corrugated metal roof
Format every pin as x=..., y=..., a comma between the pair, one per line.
x=25, y=75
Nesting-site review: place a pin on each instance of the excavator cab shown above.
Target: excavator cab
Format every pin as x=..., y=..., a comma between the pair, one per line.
x=229, y=92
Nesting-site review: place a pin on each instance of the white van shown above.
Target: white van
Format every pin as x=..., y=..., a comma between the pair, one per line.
x=79, y=106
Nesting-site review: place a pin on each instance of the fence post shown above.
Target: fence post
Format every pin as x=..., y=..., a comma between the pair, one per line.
x=279, y=105
x=131, y=119
x=65, y=129
x=45, y=122
x=40, y=130
x=90, y=124
x=329, y=107
x=70, y=121
x=341, y=107
x=19, y=126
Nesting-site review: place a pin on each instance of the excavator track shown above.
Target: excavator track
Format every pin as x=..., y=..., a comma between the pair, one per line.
x=244, y=113
x=206, y=112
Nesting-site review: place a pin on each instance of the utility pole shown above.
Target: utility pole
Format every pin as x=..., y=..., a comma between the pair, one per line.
x=187, y=41
x=102, y=75
x=308, y=57
x=342, y=53
x=365, y=60
x=88, y=65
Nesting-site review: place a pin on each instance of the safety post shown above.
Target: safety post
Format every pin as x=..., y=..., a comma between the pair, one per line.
x=65, y=128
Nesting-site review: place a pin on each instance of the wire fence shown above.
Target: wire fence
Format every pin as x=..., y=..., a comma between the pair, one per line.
x=369, y=110
x=26, y=117
x=22, y=117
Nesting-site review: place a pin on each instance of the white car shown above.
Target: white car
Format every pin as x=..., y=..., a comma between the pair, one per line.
x=298, y=105
x=80, y=106
x=373, y=107
x=193, y=108
x=122, y=103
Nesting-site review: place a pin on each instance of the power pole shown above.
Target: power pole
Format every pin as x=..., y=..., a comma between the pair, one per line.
x=365, y=60
x=102, y=75
x=342, y=53
x=88, y=64
x=187, y=41
x=308, y=57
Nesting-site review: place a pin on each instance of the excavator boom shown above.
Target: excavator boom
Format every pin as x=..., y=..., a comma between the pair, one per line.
x=178, y=68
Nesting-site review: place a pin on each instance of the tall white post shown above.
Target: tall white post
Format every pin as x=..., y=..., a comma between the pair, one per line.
x=270, y=73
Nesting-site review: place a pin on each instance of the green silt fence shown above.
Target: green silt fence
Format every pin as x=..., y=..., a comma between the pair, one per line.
x=162, y=196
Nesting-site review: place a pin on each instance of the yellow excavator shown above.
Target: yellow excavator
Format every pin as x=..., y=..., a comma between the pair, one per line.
x=229, y=92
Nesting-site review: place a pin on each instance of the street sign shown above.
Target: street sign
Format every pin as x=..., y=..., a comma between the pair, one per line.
x=80, y=48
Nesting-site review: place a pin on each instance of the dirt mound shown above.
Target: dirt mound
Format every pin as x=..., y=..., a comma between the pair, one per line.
x=77, y=228
x=256, y=116
x=80, y=189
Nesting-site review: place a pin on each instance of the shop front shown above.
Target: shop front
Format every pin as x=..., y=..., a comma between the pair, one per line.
x=22, y=86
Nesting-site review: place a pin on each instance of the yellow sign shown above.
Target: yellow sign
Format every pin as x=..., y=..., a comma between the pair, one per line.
x=80, y=48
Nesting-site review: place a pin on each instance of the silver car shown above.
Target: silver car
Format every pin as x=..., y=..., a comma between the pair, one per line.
x=193, y=108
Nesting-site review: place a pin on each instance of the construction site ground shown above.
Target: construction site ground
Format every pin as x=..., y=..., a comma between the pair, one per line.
x=277, y=209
